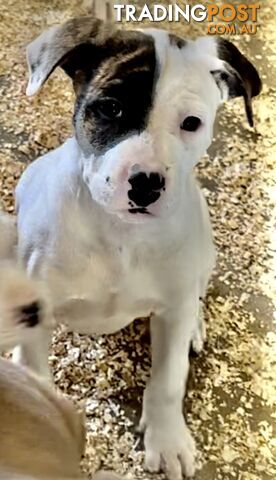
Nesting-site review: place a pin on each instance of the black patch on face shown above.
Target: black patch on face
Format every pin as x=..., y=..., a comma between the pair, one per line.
x=176, y=41
x=124, y=69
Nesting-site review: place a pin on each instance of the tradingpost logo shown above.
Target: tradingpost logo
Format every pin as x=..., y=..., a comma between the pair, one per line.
x=221, y=18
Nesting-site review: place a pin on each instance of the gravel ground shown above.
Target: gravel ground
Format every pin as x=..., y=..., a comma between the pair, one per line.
x=230, y=405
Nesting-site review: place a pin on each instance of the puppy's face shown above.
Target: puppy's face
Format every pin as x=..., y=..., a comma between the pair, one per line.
x=145, y=107
x=143, y=120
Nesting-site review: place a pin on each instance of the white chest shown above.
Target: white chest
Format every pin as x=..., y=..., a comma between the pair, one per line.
x=106, y=291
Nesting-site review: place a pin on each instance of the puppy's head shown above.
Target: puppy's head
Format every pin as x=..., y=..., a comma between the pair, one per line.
x=145, y=106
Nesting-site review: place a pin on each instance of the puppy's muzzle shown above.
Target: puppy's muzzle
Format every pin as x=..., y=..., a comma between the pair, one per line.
x=145, y=188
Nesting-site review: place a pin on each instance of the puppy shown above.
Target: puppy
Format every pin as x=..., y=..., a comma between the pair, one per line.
x=42, y=436
x=113, y=220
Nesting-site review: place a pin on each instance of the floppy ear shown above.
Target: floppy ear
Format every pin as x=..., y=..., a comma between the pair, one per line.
x=68, y=46
x=239, y=76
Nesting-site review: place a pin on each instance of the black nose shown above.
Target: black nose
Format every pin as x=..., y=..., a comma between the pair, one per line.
x=30, y=315
x=145, y=188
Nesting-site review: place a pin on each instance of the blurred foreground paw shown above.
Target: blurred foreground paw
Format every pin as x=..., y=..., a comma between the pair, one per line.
x=22, y=306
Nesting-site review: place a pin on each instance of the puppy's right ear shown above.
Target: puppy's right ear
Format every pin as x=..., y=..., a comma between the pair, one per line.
x=71, y=46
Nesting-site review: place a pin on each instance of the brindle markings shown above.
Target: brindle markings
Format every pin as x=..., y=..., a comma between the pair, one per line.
x=126, y=72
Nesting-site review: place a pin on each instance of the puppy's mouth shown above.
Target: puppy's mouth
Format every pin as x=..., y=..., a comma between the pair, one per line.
x=142, y=210
x=136, y=215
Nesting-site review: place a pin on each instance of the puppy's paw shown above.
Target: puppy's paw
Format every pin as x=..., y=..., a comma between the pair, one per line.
x=170, y=448
x=199, y=335
x=21, y=306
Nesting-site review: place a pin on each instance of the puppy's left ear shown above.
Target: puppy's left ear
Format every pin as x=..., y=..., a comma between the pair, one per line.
x=235, y=75
x=238, y=76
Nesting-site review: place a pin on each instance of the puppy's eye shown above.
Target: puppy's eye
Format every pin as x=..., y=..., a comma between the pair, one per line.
x=108, y=109
x=190, y=124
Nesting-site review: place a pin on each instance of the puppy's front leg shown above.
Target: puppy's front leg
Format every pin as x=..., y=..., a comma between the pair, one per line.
x=168, y=443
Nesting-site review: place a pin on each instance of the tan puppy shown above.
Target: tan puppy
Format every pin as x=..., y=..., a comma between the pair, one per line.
x=41, y=434
x=42, y=437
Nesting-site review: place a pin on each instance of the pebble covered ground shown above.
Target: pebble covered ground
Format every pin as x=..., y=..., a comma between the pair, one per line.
x=230, y=404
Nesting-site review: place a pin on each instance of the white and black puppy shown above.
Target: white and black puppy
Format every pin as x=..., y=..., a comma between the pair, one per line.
x=113, y=221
